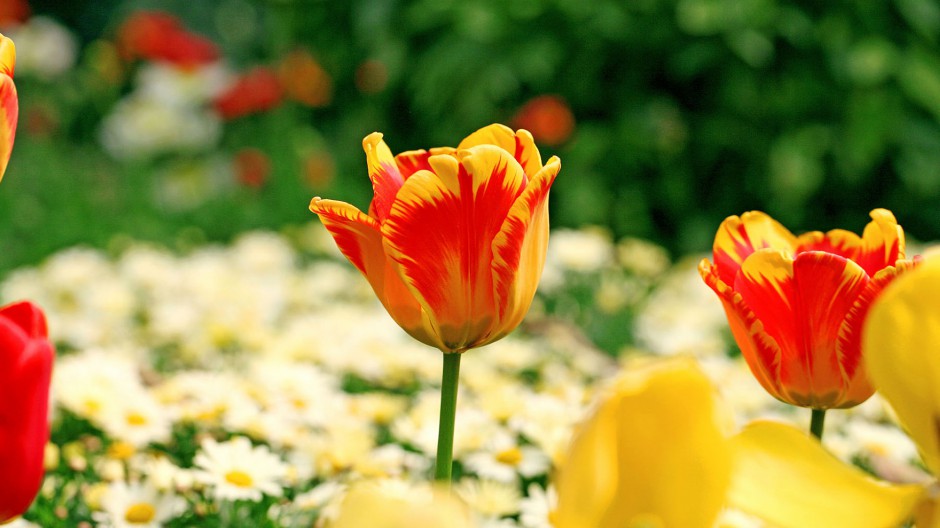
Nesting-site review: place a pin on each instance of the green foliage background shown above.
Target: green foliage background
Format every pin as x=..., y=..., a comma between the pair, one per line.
x=687, y=111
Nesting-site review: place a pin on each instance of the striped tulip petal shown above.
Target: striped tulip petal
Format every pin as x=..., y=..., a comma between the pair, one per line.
x=760, y=351
x=9, y=103
x=882, y=242
x=519, y=248
x=455, y=239
x=520, y=144
x=439, y=231
x=802, y=304
x=738, y=237
x=796, y=305
x=384, y=173
x=901, y=343
x=359, y=238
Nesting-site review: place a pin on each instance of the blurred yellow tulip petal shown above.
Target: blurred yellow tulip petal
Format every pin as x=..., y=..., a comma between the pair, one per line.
x=652, y=454
x=395, y=504
x=901, y=343
x=790, y=481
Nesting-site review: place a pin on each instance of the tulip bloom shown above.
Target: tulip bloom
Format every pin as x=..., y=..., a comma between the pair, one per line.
x=454, y=241
x=627, y=465
x=796, y=305
x=9, y=104
x=25, y=370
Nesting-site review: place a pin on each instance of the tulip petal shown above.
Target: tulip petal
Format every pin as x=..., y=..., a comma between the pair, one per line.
x=882, y=242
x=384, y=173
x=520, y=145
x=359, y=238
x=439, y=232
x=760, y=350
x=7, y=56
x=802, y=304
x=850, y=335
x=519, y=249
x=412, y=161
x=9, y=112
x=626, y=463
x=738, y=237
x=26, y=355
x=789, y=480
x=901, y=343
x=838, y=241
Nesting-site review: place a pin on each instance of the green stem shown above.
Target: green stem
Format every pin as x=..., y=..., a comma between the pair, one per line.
x=817, y=422
x=445, y=434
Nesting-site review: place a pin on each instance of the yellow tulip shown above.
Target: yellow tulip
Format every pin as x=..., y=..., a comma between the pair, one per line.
x=653, y=454
x=377, y=504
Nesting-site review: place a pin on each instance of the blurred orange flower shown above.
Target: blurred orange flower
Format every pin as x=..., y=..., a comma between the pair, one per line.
x=796, y=305
x=549, y=119
x=454, y=241
x=158, y=36
x=304, y=80
x=256, y=91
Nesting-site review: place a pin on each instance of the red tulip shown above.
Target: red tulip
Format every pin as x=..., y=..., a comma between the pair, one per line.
x=254, y=92
x=796, y=305
x=25, y=370
x=454, y=241
x=158, y=36
x=9, y=103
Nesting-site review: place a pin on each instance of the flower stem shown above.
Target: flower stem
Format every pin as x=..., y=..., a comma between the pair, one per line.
x=817, y=422
x=445, y=434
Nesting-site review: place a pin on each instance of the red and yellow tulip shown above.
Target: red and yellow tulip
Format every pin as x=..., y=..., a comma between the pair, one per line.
x=9, y=104
x=796, y=304
x=454, y=240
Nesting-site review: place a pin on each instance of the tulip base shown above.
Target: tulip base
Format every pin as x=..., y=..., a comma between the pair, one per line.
x=445, y=434
x=817, y=422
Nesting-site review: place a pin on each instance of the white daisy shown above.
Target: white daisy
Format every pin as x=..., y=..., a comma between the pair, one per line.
x=236, y=470
x=505, y=459
x=137, y=505
x=537, y=506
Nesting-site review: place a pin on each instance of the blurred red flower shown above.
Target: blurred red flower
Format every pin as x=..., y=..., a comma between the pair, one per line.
x=258, y=90
x=548, y=118
x=252, y=167
x=159, y=36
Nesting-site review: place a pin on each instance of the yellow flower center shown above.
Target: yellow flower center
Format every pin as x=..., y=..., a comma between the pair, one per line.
x=140, y=513
x=511, y=456
x=135, y=418
x=121, y=450
x=238, y=478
